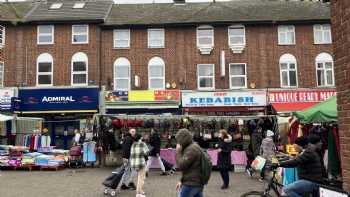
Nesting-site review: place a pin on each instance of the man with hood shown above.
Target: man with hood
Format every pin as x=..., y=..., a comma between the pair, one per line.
x=188, y=160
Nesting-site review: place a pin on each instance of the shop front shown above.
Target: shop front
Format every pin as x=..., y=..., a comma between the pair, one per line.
x=6, y=94
x=64, y=111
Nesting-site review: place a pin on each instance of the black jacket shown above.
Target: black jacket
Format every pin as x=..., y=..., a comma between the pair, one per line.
x=155, y=142
x=224, y=157
x=127, y=143
x=308, y=163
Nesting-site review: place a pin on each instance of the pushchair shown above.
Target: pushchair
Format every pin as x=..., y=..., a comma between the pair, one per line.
x=75, y=157
x=113, y=182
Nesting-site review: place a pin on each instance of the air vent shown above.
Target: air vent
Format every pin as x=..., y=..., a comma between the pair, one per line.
x=56, y=6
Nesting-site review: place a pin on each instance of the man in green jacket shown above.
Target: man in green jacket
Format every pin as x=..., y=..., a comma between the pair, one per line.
x=188, y=160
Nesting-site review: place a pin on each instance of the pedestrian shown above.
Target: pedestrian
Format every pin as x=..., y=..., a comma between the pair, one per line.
x=154, y=143
x=267, y=151
x=224, y=157
x=188, y=160
x=77, y=137
x=128, y=141
x=139, y=151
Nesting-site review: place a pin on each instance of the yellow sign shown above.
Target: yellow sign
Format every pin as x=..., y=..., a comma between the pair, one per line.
x=140, y=96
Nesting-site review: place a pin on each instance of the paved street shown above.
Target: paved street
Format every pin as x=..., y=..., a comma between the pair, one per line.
x=87, y=183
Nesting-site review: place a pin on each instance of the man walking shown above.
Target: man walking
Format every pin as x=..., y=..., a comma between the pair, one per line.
x=155, y=142
x=188, y=159
x=130, y=173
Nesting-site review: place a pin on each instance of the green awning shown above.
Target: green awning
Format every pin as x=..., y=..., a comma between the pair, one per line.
x=321, y=113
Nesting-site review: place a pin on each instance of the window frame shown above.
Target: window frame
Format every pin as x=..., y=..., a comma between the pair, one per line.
x=45, y=34
x=229, y=36
x=245, y=76
x=279, y=29
x=3, y=35
x=322, y=59
x=323, y=32
x=2, y=74
x=161, y=63
x=86, y=72
x=44, y=73
x=87, y=34
x=204, y=27
x=199, y=77
x=115, y=38
x=149, y=40
x=115, y=65
x=289, y=59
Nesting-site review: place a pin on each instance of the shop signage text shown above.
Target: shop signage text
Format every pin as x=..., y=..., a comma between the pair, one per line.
x=217, y=99
x=294, y=96
x=58, y=99
x=5, y=98
x=143, y=96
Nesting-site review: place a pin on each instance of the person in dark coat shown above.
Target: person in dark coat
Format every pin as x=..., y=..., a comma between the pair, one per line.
x=224, y=157
x=128, y=141
x=155, y=143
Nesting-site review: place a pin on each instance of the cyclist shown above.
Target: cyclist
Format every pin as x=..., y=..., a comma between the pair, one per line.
x=310, y=169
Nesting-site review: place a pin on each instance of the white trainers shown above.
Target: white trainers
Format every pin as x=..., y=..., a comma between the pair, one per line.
x=140, y=195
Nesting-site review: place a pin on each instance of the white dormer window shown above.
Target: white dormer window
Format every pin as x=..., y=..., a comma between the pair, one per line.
x=56, y=6
x=286, y=35
x=236, y=38
x=80, y=34
x=322, y=34
x=45, y=34
x=205, y=39
x=156, y=38
x=79, y=5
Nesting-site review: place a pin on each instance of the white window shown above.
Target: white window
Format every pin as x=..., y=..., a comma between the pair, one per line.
x=205, y=76
x=322, y=34
x=2, y=36
x=79, y=69
x=156, y=73
x=205, y=36
x=236, y=35
x=80, y=34
x=238, y=76
x=122, y=38
x=79, y=5
x=156, y=38
x=1, y=74
x=56, y=6
x=45, y=34
x=122, y=74
x=44, y=70
x=286, y=35
x=325, y=70
x=288, y=71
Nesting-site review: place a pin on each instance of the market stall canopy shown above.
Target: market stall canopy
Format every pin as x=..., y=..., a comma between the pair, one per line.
x=321, y=113
x=5, y=118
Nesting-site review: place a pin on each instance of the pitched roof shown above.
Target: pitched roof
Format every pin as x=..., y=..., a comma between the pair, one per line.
x=243, y=11
x=96, y=10
x=14, y=11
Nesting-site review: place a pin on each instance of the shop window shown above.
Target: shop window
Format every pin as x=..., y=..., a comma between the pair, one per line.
x=121, y=38
x=122, y=74
x=322, y=34
x=288, y=71
x=79, y=69
x=2, y=36
x=236, y=37
x=80, y=34
x=156, y=73
x=206, y=76
x=325, y=70
x=156, y=38
x=45, y=70
x=205, y=39
x=286, y=35
x=45, y=34
x=238, y=76
x=1, y=74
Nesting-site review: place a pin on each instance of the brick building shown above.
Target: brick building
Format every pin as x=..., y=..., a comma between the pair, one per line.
x=341, y=23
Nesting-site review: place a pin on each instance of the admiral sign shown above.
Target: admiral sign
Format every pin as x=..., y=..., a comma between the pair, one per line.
x=224, y=99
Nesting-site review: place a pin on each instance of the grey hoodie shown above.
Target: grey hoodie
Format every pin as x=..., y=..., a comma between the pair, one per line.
x=267, y=149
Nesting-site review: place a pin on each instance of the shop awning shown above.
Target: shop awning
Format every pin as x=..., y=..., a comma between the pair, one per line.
x=290, y=107
x=321, y=113
x=5, y=118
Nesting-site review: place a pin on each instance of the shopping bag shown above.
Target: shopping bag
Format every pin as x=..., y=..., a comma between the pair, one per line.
x=258, y=163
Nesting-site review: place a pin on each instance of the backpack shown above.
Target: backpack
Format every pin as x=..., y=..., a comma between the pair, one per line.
x=206, y=166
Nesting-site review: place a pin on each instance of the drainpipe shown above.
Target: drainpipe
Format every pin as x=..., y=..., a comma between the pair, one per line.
x=99, y=54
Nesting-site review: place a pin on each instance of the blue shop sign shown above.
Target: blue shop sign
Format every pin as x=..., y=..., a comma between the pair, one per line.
x=62, y=100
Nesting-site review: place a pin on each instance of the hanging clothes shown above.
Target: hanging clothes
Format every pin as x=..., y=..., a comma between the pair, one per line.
x=293, y=130
x=333, y=155
x=45, y=141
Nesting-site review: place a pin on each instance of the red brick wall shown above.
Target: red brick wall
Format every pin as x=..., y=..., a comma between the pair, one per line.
x=181, y=56
x=22, y=51
x=341, y=29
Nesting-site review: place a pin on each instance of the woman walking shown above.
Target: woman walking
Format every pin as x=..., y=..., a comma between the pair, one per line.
x=224, y=157
x=139, y=151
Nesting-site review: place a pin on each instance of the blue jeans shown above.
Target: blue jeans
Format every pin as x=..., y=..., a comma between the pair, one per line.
x=300, y=188
x=189, y=191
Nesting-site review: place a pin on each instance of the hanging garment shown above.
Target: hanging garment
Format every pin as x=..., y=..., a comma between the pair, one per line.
x=293, y=131
x=333, y=158
x=45, y=141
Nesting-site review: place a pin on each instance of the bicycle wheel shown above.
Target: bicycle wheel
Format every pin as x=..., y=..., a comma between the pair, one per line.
x=255, y=193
